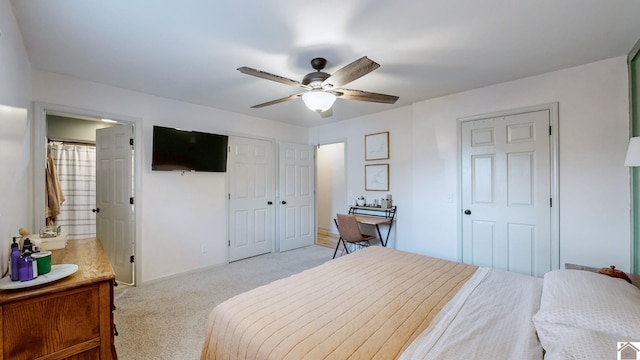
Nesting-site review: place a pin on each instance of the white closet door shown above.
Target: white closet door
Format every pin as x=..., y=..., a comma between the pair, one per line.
x=297, y=196
x=506, y=192
x=251, y=200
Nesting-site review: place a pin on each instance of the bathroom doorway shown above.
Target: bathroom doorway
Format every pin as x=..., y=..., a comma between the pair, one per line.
x=67, y=135
x=71, y=157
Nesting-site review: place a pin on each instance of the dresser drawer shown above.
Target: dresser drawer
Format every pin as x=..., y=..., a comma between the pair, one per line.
x=51, y=324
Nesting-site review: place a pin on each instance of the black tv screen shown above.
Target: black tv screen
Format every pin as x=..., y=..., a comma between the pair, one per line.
x=182, y=150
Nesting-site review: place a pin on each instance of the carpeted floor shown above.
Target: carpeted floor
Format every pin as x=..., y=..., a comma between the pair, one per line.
x=166, y=319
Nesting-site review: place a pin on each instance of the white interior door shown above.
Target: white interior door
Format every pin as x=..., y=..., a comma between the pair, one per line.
x=114, y=198
x=251, y=208
x=297, y=196
x=506, y=192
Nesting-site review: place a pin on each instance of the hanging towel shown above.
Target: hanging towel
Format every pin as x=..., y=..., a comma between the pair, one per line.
x=54, y=196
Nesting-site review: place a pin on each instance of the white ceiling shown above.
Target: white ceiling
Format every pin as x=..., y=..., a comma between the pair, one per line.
x=189, y=50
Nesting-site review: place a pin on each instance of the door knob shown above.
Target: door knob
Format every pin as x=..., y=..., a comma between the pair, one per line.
x=467, y=212
x=284, y=202
x=269, y=202
x=95, y=210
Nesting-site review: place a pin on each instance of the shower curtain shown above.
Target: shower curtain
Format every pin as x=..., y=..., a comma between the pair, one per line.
x=76, y=169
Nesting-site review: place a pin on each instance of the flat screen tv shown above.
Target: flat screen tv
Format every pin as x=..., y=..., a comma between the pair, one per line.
x=182, y=150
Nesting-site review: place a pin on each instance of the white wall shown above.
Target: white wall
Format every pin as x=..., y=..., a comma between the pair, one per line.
x=331, y=195
x=15, y=133
x=593, y=135
x=178, y=213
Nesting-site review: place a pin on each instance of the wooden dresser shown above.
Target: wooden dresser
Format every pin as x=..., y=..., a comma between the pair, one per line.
x=70, y=318
x=635, y=279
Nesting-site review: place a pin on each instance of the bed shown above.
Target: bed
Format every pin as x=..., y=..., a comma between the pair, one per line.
x=382, y=303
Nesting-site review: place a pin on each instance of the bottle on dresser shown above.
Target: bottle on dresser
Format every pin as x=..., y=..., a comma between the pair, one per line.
x=14, y=260
x=25, y=270
x=22, y=265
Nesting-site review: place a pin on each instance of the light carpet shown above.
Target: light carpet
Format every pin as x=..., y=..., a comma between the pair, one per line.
x=167, y=318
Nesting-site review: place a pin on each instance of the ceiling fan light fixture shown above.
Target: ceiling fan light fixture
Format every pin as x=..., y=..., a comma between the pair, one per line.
x=322, y=88
x=318, y=100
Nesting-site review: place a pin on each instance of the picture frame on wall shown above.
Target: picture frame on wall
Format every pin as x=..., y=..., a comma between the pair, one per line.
x=376, y=177
x=376, y=146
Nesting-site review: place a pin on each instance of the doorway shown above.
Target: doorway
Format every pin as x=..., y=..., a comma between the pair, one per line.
x=331, y=197
x=71, y=161
x=42, y=111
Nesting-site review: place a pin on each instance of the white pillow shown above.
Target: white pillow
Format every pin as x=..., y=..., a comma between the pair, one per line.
x=562, y=342
x=590, y=301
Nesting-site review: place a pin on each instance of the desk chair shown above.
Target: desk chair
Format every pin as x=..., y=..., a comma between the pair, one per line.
x=350, y=233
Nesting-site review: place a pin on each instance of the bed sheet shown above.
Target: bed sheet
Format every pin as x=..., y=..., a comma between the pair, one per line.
x=489, y=318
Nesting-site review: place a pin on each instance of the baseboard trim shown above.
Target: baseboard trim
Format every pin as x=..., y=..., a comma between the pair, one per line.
x=326, y=231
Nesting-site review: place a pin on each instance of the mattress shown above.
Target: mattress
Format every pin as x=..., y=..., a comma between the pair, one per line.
x=371, y=304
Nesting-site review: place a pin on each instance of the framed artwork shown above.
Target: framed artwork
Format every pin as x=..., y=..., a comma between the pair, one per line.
x=376, y=146
x=376, y=177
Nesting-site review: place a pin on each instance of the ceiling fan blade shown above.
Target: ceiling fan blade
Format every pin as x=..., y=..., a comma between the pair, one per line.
x=272, y=77
x=326, y=113
x=351, y=72
x=365, y=96
x=277, y=101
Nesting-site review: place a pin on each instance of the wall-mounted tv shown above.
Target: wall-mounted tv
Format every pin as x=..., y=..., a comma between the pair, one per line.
x=182, y=150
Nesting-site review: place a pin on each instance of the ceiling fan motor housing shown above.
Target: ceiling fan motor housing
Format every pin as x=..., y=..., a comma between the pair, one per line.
x=315, y=78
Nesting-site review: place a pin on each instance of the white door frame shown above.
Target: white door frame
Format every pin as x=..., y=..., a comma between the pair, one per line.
x=345, y=200
x=553, y=151
x=39, y=140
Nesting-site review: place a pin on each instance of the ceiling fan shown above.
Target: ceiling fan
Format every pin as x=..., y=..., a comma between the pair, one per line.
x=322, y=89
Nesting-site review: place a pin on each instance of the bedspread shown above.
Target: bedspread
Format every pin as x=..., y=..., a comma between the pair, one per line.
x=367, y=305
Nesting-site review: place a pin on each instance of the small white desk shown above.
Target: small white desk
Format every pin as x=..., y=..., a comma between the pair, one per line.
x=375, y=216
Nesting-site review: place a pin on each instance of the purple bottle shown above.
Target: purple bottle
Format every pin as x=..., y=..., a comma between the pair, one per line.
x=15, y=260
x=25, y=270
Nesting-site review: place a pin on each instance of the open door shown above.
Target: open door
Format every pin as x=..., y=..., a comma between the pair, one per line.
x=114, y=198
